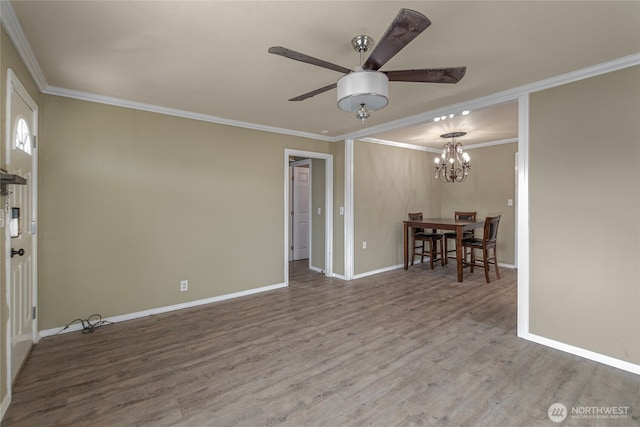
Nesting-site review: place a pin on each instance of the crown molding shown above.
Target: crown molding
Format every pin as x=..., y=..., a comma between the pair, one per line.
x=499, y=97
x=399, y=144
x=491, y=143
x=119, y=102
x=435, y=150
x=12, y=26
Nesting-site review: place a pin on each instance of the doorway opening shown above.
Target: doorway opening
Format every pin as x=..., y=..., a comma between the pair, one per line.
x=308, y=211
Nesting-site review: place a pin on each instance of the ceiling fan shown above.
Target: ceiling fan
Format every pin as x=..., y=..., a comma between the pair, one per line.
x=365, y=89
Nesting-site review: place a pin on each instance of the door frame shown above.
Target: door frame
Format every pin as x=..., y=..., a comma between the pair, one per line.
x=328, y=208
x=30, y=224
x=291, y=225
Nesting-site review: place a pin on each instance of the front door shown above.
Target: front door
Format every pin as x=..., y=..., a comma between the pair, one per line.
x=20, y=216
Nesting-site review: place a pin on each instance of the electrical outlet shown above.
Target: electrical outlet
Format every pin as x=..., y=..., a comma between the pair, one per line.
x=184, y=285
x=364, y=244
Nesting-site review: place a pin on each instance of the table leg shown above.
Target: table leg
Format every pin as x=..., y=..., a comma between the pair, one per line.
x=459, y=252
x=406, y=246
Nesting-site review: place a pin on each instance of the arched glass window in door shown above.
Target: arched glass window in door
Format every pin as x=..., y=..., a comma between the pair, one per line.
x=23, y=136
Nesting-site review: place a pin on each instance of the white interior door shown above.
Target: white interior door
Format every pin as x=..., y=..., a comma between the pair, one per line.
x=20, y=232
x=301, y=212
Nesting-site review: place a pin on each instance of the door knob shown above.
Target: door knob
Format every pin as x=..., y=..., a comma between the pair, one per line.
x=19, y=252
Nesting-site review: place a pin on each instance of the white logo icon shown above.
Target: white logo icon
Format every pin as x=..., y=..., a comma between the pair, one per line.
x=557, y=412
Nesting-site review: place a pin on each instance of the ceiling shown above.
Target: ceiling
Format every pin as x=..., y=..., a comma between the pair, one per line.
x=210, y=58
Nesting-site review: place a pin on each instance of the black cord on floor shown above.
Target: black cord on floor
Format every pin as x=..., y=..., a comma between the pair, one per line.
x=88, y=325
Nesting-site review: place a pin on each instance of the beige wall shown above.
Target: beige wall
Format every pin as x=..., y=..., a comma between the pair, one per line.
x=389, y=183
x=584, y=209
x=489, y=184
x=8, y=59
x=133, y=202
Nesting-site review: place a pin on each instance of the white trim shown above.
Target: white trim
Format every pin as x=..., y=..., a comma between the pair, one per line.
x=328, y=210
x=328, y=239
x=515, y=213
x=478, y=103
x=166, y=309
x=316, y=269
x=587, y=354
x=396, y=267
x=500, y=97
x=435, y=150
x=522, y=224
x=348, y=210
x=119, y=102
x=489, y=143
x=400, y=144
x=11, y=24
x=378, y=271
x=504, y=265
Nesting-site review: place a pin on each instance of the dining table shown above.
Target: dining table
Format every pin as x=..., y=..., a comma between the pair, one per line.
x=449, y=224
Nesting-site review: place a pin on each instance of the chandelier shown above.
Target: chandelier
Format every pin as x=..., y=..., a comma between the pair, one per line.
x=450, y=167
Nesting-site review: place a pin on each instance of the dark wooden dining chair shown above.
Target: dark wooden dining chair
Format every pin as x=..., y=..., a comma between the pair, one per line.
x=487, y=242
x=420, y=238
x=469, y=216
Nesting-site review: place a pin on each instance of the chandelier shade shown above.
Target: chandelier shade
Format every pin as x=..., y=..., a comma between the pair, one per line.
x=368, y=90
x=454, y=163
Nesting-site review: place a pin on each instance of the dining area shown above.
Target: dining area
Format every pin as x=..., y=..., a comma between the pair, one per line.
x=464, y=238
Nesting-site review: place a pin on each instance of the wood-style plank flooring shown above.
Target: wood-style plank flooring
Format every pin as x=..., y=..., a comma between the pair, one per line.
x=402, y=348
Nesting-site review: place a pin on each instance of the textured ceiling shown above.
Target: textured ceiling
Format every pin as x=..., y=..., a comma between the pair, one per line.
x=210, y=57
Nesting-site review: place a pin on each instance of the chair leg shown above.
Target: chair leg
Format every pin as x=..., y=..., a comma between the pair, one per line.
x=431, y=243
x=473, y=259
x=443, y=252
x=495, y=260
x=422, y=252
x=485, y=255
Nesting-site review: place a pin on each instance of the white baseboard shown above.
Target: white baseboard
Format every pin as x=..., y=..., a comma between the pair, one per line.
x=511, y=266
x=159, y=310
x=380, y=270
x=587, y=354
x=395, y=267
x=316, y=269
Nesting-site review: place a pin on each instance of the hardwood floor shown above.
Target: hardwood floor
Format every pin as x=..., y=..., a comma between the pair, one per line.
x=401, y=348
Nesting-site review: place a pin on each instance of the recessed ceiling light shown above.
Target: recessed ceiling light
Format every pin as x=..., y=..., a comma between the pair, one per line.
x=465, y=112
x=324, y=131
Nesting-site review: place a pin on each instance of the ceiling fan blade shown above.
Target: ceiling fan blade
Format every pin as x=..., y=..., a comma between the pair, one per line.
x=292, y=54
x=407, y=25
x=314, y=92
x=428, y=75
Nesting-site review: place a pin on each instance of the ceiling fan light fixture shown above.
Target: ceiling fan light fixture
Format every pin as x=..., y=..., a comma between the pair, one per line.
x=363, y=88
